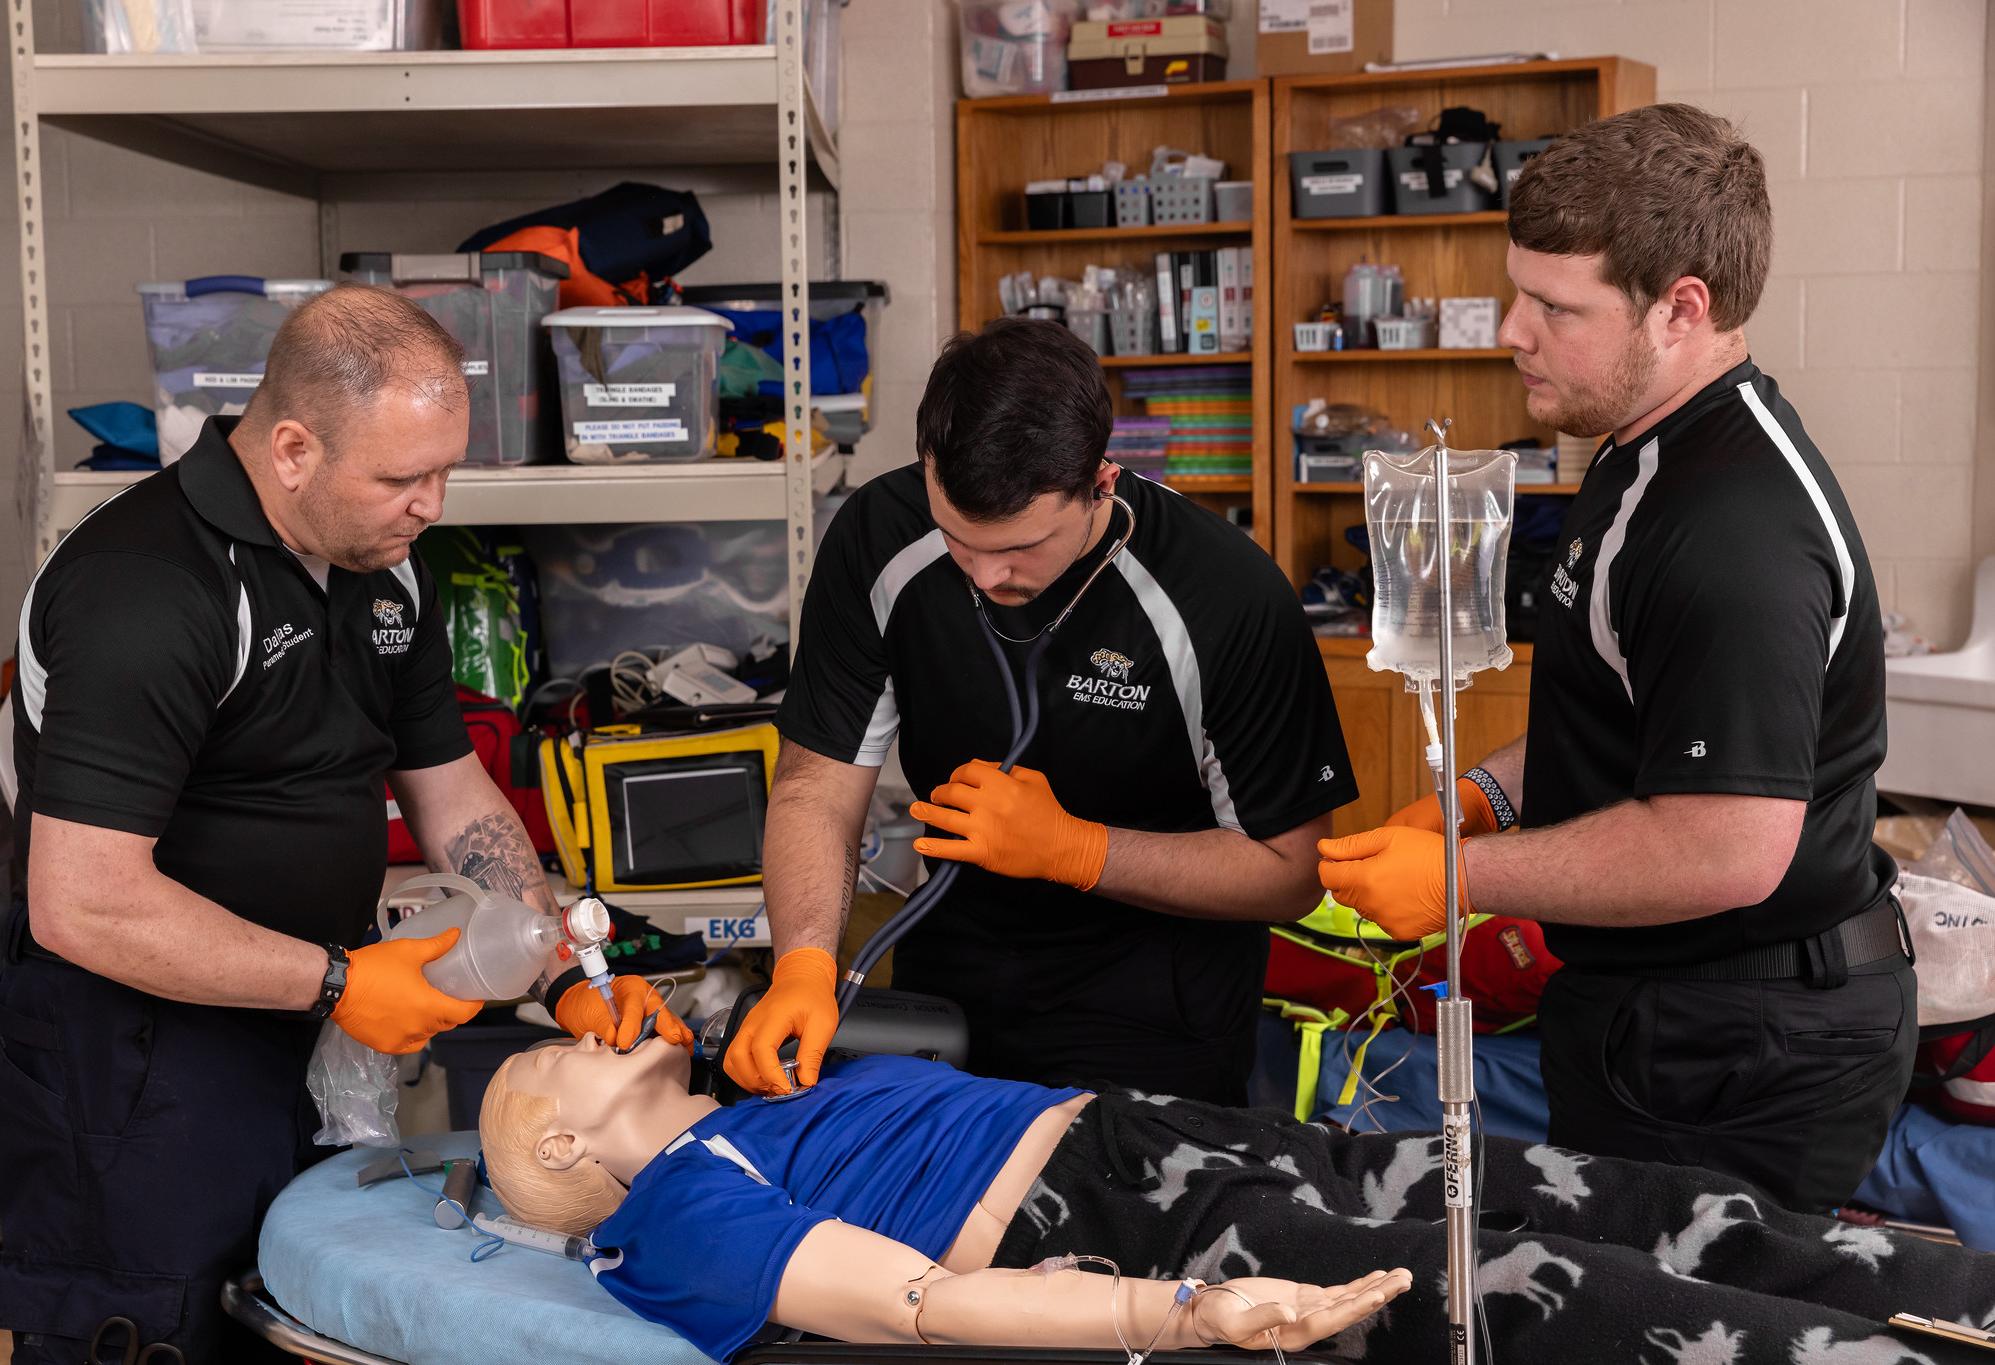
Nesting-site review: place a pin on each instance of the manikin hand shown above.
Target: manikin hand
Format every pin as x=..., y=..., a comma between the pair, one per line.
x=1294, y=1315
x=1013, y=825
x=1395, y=876
x=1478, y=816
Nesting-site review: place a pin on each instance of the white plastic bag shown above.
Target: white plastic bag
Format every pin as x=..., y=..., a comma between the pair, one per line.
x=1953, y=933
x=356, y=1089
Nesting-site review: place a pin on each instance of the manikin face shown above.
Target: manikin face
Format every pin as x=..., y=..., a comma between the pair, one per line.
x=1588, y=356
x=364, y=507
x=592, y=1082
x=1014, y=560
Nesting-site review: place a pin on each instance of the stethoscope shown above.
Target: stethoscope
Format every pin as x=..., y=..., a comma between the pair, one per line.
x=1024, y=725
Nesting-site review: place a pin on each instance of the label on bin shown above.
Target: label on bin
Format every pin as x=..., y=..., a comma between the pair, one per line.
x=629, y=395
x=1332, y=184
x=221, y=379
x=475, y=369
x=1417, y=180
x=631, y=433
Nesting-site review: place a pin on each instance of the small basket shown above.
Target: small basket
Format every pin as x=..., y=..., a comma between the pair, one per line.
x=1404, y=334
x=1133, y=330
x=1233, y=201
x=1132, y=203
x=1312, y=336
x=1185, y=199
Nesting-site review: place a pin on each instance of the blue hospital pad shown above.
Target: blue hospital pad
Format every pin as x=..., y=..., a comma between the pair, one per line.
x=1931, y=1170
x=371, y=1268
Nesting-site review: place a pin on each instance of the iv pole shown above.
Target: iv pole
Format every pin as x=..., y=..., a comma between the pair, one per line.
x=1454, y=1037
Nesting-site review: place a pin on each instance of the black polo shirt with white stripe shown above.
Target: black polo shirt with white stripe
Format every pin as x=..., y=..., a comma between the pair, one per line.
x=1184, y=693
x=1712, y=626
x=185, y=678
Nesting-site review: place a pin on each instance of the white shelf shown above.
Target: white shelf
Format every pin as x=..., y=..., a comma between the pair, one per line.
x=301, y=114
x=538, y=495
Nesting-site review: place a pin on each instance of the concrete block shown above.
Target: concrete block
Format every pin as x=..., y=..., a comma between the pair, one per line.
x=1895, y=128
x=1806, y=42
x=1943, y=222
x=1938, y=416
x=1945, y=39
x=1836, y=227
x=1851, y=415
x=1895, y=321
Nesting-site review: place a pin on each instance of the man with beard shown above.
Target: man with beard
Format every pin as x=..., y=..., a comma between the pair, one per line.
x=219, y=667
x=1693, y=801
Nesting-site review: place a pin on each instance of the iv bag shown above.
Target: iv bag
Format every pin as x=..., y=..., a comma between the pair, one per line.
x=1400, y=510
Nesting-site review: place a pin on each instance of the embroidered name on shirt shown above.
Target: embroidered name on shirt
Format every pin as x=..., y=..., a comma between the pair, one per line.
x=1564, y=586
x=1113, y=687
x=394, y=637
x=282, y=641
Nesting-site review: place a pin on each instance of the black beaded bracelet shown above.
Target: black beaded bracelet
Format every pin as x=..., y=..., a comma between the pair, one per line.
x=1499, y=804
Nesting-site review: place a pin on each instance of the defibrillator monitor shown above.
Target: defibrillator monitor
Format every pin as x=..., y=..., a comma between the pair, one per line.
x=689, y=819
x=641, y=810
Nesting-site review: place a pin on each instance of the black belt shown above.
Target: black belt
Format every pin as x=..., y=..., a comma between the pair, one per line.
x=1874, y=941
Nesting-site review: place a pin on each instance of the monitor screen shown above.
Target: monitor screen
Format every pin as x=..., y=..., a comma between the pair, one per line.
x=688, y=818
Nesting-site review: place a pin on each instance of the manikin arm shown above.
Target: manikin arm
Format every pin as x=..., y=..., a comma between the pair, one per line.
x=854, y=1285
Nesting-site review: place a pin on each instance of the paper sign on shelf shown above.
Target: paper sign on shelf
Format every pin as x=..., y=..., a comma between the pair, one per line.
x=630, y=433
x=1332, y=27
x=629, y=395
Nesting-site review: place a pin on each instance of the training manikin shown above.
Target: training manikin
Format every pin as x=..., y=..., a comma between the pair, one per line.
x=901, y=1201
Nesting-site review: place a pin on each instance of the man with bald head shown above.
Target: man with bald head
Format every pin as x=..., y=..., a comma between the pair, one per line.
x=218, y=668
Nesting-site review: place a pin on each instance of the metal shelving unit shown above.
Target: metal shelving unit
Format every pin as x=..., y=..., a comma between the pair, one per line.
x=291, y=120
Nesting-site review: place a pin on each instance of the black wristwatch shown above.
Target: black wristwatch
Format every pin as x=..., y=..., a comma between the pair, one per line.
x=334, y=985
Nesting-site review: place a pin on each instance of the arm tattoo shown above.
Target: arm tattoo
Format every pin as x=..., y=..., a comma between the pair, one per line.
x=493, y=852
x=851, y=882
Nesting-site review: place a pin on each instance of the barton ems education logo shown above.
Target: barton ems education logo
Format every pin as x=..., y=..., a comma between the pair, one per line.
x=1112, y=688
x=1564, y=586
x=387, y=612
x=392, y=637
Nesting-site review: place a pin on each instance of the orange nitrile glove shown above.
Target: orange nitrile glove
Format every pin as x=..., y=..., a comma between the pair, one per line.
x=389, y=1004
x=1478, y=816
x=801, y=1003
x=1013, y=825
x=581, y=1010
x=1394, y=876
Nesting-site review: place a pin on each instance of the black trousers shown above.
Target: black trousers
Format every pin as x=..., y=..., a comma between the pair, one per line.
x=1775, y=1082
x=141, y=1141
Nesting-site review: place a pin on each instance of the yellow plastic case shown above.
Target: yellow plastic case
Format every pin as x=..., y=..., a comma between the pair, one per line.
x=582, y=778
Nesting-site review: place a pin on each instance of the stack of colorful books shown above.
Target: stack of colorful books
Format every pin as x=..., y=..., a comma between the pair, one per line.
x=1141, y=445
x=1210, y=409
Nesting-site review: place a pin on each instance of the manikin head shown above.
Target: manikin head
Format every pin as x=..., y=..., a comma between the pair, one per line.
x=566, y=1126
x=1639, y=245
x=361, y=416
x=1012, y=432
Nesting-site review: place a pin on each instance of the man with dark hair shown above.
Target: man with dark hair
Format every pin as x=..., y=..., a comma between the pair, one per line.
x=1695, y=794
x=219, y=667
x=1110, y=922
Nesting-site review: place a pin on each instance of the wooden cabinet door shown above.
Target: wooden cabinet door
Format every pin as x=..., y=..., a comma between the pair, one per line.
x=1367, y=703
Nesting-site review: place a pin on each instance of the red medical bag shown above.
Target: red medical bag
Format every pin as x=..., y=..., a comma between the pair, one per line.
x=609, y=23
x=1961, y=1067
x=509, y=754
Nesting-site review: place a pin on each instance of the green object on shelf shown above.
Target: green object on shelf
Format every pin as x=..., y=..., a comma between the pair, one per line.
x=489, y=650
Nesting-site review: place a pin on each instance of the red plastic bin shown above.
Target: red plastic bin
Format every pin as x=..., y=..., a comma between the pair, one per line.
x=609, y=23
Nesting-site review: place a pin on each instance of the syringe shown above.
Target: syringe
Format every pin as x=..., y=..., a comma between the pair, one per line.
x=538, y=1239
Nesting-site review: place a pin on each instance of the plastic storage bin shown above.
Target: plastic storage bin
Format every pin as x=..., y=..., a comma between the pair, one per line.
x=1340, y=184
x=1510, y=159
x=1404, y=334
x=1181, y=199
x=1132, y=203
x=1160, y=51
x=1015, y=47
x=1233, y=201
x=609, y=23
x=336, y=25
x=209, y=340
x=492, y=302
x=1414, y=189
x=637, y=384
x=753, y=310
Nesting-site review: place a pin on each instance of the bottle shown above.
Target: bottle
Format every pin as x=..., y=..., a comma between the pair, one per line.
x=504, y=945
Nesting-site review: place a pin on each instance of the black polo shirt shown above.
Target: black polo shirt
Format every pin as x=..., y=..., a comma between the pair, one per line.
x=1184, y=693
x=183, y=677
x=1712, y=626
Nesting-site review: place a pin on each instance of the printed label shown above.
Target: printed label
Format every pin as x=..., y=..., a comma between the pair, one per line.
x=737, y=931
x=1332, y=184
x=476, y=369
x=1417, y=180
x=1330, y=27
x=220, y=379
x=1456, y=1169
x=1284, y=16
x=629, y=395
x=631, y=433
x=1126, y=92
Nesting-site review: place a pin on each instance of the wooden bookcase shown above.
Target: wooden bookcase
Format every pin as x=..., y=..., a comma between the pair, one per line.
x=1440, y=256
x=1004, y=143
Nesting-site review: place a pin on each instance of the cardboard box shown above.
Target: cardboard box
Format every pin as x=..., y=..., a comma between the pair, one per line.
x=1344, y=35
